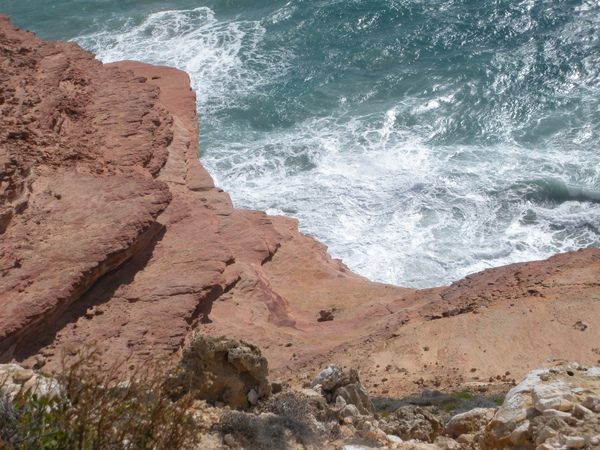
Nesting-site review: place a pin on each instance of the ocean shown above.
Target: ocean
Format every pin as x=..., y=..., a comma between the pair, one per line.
x=419, y=140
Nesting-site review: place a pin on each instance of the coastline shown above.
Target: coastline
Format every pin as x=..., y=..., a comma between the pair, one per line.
x=116, y=233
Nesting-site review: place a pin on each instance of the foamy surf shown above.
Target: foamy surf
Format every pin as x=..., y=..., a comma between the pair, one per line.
x=418, y=155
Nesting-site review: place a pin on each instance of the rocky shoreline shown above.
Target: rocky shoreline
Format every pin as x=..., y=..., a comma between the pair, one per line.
x=112, y=231
x=231, y=404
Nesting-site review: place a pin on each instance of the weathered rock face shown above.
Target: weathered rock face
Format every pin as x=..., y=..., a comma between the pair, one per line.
x=344, y=389
x=412, y=422
x=556, y=405
x=78, y=193
x=222, y=369
x=112, y=231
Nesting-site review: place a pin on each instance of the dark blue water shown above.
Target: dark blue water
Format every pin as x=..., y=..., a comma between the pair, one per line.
x=420, y=140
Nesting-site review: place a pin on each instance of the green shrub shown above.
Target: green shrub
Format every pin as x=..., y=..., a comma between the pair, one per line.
x=98, y=408
x=455, y=402
x=466, y=395
x=450, y=406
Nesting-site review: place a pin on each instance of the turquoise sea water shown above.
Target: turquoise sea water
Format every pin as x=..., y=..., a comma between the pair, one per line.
x=420, y=140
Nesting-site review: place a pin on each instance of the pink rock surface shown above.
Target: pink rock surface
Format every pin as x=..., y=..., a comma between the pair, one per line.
x=111, y=231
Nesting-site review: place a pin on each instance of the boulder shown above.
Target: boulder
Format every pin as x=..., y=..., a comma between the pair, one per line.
x=412, y=422
x=336, y=383
x=328, y=378
x=547, y=407
x=326, y=314
x=15, y=379
x=224, y=369
x=355, y=394
x=469, y=422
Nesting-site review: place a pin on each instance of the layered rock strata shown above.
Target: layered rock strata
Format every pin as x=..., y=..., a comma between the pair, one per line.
x=112, y=231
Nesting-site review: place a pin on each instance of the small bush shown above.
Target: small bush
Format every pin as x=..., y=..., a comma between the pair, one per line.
x=466, y=395
x=287, y=405
x=266, y=432
x=287, y=422
x=99, y=409
x=385, y=405
x=455, y=402
x=450, y=406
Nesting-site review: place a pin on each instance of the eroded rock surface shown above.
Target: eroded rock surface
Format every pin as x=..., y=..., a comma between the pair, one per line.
x=223, y=369
x=412, y=422
x=79, y=196
x=343, y=387
x=112, y=231
x=469, y=422
x=555, y=405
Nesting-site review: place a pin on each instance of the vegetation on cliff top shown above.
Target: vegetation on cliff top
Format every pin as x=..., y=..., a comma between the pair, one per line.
x=98, y=408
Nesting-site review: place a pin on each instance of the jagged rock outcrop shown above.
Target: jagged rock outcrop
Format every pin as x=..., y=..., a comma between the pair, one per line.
x=556, y=407
x=343, y=387
x=412, y=422
x=223, y=369
x=79, y=196
x=111, y=229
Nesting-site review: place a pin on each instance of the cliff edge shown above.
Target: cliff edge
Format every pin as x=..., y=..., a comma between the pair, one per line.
x=112, y=231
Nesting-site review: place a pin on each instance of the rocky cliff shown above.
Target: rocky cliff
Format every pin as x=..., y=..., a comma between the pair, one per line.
x=112, y=231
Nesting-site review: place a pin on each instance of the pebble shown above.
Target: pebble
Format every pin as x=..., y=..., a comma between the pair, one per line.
x=590, y=402
x=557, y=414
x=520, y=434
x=252, y=397
x=547, y=403
x=229, y=440
x=580, y=410
x=565, y=405
x=22, y=375
x=394, y=439
x=544, y=447
x=573, y=441
x=546, y=433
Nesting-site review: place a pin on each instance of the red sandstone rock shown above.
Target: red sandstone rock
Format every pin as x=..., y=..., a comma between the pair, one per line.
x=112, y=231
x=79, y=196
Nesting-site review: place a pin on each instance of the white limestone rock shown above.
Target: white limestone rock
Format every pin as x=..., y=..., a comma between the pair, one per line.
x=573, y=441
x=469, y=422
x=591, y=401
x=558, y=396
x=582, y=411
x=328, y=378
x=521, y=434
x=252, y=397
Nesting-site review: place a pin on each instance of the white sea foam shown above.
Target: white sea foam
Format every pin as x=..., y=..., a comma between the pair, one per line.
x=392, y=201
x=220, y=57
x=396, y=210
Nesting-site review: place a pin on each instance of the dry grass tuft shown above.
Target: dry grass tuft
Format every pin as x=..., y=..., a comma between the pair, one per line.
x=98, y=408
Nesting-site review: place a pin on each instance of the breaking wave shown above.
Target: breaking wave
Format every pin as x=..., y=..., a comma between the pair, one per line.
x=421, y=141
